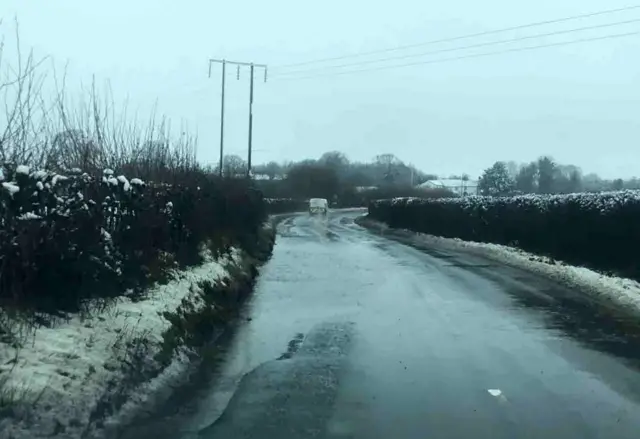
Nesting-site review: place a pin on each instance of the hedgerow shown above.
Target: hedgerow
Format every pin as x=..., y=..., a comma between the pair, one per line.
x=601, y=231
x=68, y=239
x=74, y=233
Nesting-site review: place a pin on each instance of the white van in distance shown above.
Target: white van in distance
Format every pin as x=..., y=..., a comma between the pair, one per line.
x=318, y=205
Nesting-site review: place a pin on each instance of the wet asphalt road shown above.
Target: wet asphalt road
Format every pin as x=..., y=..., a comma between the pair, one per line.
x=353, y=335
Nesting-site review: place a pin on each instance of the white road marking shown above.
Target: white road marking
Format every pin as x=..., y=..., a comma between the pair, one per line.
x=497, y=393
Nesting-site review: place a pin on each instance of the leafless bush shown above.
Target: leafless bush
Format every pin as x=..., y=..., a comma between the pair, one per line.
x=90, y=132
x=25, y=113
x=52, y=251
x=95, y=136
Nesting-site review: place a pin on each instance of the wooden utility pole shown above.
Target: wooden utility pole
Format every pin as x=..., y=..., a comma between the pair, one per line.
x=252, y=67
x=224, y=75
x=250, y=123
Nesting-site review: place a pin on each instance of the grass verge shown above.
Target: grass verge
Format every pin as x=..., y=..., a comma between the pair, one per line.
x=194, y=327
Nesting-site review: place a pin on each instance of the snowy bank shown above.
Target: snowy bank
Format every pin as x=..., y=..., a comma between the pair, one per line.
x=621, y=292
x=87, y=373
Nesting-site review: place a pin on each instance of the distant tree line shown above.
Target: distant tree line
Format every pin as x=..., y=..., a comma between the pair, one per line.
x=545, y=176
x=334, y=177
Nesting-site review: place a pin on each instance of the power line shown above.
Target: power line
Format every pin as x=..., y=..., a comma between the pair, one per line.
x=461, y=37
x=478, y=55
x=454, y=49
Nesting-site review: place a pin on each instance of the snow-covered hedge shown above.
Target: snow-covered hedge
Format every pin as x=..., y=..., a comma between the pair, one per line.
x=68, y=238
x=601, y=231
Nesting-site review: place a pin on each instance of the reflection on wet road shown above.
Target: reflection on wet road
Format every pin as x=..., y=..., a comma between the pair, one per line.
x=352, y=335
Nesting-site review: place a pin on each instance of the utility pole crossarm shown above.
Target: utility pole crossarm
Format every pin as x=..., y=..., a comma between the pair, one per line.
x=238, y=63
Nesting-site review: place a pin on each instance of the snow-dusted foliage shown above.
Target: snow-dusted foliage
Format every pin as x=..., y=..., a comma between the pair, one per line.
x=125, y=183
x=597, y=230
x=68, y=238
x=11, y=188
x=22, y=169
x=29, y=216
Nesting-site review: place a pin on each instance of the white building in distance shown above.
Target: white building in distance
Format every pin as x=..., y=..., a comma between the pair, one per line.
x=457, y=186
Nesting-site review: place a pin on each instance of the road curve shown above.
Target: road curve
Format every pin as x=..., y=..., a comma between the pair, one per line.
x=352, y=335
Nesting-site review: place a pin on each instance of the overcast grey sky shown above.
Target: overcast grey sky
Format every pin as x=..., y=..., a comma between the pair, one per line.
x=578, y=103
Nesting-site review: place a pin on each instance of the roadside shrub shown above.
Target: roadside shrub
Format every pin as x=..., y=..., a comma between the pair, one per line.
x=72, y=230
x=600, y=231
x=67, y=239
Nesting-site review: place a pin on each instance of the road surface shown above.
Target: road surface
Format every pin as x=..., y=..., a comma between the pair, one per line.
x=352, y=335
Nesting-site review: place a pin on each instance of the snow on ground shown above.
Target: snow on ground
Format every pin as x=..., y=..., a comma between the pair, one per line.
x=620, y=291
x=68, y=367
x=625, y=292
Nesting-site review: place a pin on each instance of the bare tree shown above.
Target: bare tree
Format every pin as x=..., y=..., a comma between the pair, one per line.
x=273, y=169
x=334, y=159
x=73, y=149
x=617, y=184
x=389, y=164
x=387, y=160
x=88, y=133
x=25, y=114
x=234, y=166
x=527, y=177
x=546, y=174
